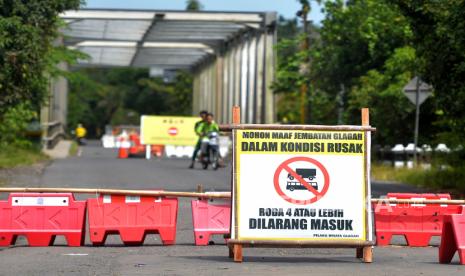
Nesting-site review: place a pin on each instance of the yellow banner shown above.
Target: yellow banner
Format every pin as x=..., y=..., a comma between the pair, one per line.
x=168, y=130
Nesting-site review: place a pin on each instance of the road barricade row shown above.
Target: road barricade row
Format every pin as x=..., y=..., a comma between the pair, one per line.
x=416, y=222
x=40, y=217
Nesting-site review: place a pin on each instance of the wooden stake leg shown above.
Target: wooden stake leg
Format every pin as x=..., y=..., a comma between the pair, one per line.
x=231, y=251
x=368, y=254
x=359, y=253
x=237, y=253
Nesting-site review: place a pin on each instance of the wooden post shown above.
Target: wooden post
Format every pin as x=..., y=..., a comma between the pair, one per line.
x=231, y=251
x=236, y=252
x=365, y=116
x=236, y=115
x=366, y=252
x=199, y=190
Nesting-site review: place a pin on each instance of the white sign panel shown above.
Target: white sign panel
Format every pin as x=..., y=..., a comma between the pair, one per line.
x=410, y=90
x=300, y=185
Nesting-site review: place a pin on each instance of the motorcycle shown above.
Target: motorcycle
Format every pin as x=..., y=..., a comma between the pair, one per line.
x=210, y=151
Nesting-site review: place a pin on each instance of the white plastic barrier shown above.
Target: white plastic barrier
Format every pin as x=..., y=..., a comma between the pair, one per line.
x=187, y=151
x=109, y=141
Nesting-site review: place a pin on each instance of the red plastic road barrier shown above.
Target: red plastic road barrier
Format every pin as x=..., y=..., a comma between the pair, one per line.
x=157, y=150
x=133, y=217
x=123, y=149
x=416, y=222
x=209, y=219
x=40, y=217
x=136, y=147
x=453, y=238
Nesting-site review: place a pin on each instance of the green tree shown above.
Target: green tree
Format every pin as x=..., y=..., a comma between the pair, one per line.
x=28, y=58
x=288, y=75
x=439, y=39
x=193, y=5
x=27, y=32
x=365, y=47
x=356, y=37
x=381, y=90
x=116, y=96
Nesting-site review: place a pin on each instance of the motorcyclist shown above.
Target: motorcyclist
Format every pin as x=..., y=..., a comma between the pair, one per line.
x=209, y=126
x=198, y=129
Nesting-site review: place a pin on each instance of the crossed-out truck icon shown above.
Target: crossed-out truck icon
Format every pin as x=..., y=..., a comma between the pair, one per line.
x=310, y=174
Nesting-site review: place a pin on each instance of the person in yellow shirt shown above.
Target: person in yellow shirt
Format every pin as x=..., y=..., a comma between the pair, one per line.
x=81, y=134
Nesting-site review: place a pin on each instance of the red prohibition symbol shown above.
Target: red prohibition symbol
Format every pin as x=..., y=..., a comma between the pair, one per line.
x=173, y=131
x=315, y=195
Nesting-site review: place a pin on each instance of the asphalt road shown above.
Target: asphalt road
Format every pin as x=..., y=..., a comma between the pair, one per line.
x=97, y=167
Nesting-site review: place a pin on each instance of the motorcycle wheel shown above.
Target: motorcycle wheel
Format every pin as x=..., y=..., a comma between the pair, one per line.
x=214, y=159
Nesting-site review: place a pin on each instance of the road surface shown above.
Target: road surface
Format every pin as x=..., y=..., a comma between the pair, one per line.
x=100, y=168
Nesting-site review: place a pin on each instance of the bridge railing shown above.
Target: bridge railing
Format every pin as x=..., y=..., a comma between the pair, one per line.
x=52, y=133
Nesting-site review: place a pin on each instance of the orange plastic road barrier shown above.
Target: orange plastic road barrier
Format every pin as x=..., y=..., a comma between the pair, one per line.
x=209, y=219
x=417, y=222
x=133, y=217
x=40, y=217
x=453, y=238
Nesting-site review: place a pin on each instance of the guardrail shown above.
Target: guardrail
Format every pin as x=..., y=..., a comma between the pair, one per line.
x=53, y=132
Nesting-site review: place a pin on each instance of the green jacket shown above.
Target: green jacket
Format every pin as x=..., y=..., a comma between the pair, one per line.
x=198, y=127
x=206, y=128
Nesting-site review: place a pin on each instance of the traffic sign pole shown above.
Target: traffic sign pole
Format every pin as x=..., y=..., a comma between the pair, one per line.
x=417, y=92
x=417, y=121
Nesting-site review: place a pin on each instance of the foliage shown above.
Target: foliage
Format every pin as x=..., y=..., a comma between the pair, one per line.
x=27, y=32
x=288, y=75
x=365, y=47
x=28, y=58
x=14, y=122
x=356, y=37
x=441, y=179
x=288, y=78
x=362, y=56
x=439, y=39
x=193, y=5
x=381, y=90
x=99, y=97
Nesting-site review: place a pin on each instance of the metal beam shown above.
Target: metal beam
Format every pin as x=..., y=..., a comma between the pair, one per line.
x=167, y=15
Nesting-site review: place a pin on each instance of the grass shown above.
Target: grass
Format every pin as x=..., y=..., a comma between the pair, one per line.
x=73, y=149
x=11, y=156
x=448, y=179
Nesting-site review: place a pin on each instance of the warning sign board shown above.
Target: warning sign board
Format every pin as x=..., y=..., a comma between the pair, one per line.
x=300, y=185
x=168, y=130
